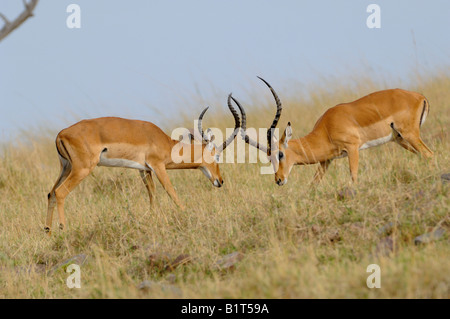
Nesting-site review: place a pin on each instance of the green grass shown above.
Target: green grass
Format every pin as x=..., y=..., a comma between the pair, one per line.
x=297, y=241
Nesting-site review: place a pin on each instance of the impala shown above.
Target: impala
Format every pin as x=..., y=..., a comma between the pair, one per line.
x=345, y=129
x=118, y=142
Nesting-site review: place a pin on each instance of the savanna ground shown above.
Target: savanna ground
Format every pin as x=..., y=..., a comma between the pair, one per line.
x=296, y=241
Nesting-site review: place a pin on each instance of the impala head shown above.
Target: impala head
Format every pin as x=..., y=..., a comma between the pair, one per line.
x=281, y=157
x=278, y=152
x=211, y=152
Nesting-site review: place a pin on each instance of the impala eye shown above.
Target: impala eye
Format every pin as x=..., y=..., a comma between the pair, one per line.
x=280, y=155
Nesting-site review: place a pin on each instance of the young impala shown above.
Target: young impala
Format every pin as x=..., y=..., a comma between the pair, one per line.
x=389, y=115
x=117, y=142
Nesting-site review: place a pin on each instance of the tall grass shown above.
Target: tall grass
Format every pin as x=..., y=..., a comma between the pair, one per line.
x=297, y=241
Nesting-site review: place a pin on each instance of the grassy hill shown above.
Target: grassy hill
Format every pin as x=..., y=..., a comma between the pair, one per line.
x=295, y=241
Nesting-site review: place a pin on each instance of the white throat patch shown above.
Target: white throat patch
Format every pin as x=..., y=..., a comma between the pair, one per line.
x=206, y=172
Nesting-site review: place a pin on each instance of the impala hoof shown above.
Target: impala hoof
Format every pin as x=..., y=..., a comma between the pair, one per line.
x=61, y=226
x=47, y=229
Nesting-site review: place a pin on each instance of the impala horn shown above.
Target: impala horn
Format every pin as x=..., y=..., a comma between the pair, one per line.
x=230, y=139
x=270, y=131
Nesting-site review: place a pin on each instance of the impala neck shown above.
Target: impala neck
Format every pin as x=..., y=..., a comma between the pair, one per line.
x=190, y=156
x=311, y=149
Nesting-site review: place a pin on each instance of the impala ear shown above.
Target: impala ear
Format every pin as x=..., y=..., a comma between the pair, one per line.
x=274, y=139
x=187, y=138
x=209, y=136
x=287, y=135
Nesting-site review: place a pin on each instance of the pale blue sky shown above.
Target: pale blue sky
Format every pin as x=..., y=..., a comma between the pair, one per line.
x=145, y=59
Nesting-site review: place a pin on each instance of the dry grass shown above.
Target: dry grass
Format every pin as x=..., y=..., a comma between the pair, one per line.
x=297, y=241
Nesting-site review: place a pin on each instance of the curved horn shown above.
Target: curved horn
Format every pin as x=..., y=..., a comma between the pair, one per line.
x=277, y=115
x=237, y=125
x=246, y=138
x=200, y=129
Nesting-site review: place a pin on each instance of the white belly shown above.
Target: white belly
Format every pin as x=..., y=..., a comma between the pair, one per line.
x=376, y=142
x=120, y=162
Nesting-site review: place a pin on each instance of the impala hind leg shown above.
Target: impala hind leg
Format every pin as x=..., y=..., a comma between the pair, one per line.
x=76, y=175
x=65, y=171
x=163, y=178
x=321, y=171
x=150, y=185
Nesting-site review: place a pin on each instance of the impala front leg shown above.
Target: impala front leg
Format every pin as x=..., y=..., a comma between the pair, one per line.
x=353, y=159
x=163, y=178
x=321, y=171
x=150, y=185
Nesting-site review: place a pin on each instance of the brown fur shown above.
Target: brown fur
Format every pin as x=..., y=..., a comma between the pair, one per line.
x=81, y=145
x=343, y=129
